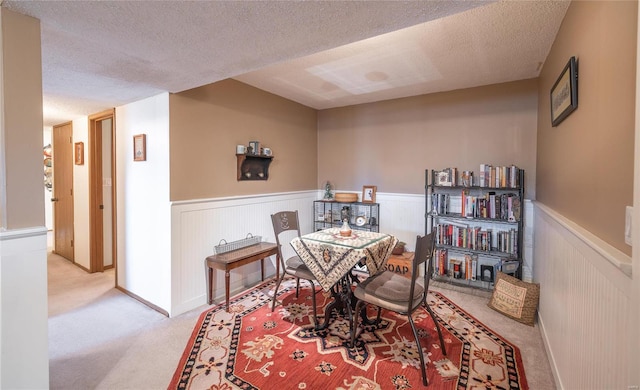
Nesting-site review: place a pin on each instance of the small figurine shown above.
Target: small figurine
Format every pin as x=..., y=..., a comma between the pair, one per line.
x=327, y=192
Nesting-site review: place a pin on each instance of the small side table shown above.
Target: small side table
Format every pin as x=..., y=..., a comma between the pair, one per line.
x=234, y=259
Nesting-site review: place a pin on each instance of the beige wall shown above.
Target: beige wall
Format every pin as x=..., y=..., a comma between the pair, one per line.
x=206, y=124
x=585, y=165
x=391, y=143
x=22, y=204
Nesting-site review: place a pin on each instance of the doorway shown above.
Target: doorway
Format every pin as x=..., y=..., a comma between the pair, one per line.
x=102, y=200
x=62, y=191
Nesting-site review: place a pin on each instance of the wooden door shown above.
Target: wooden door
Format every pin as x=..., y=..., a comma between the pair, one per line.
x=63, y=190
x=101, y=126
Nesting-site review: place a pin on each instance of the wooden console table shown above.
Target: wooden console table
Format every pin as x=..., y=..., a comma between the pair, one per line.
x=234, y=259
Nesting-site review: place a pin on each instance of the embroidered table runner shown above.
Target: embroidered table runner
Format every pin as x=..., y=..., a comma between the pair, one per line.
x=330, y=256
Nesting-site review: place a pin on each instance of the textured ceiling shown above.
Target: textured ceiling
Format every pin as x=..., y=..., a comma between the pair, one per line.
x=101, y=54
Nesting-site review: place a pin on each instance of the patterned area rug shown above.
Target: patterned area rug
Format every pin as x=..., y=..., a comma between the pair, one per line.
x=252, y=348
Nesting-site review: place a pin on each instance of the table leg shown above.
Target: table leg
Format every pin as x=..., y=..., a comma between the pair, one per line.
x=341, y=293
x=262, y=268
x=226, y=288
x=209, y=285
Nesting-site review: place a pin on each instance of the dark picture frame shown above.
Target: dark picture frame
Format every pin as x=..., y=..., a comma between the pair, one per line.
x=140, y=147
x=564, y=93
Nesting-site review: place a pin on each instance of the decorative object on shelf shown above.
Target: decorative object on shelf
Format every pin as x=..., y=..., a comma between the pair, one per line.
x=251, y=167
x=79, y=153
x=254, y=147
x=140, y=147
x=446, y=177
x=515, y=299
x=467, y=178
x=361, y=220
x=564, y=93
x=369, y=194
x=266, y=152
x=48, y=169
x=240, y=149
x=328, y=195
x=346, y=197
x=399, y=248
x=345, y=213
x=345, y=230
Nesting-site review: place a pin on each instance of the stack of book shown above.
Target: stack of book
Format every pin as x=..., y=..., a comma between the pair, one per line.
x=491, y=205
x=499, y=177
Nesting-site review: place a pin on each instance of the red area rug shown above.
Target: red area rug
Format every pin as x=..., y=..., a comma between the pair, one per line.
x=252, y=348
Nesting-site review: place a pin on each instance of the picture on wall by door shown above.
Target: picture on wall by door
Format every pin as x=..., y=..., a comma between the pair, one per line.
x=79, y=153
x=139, y=147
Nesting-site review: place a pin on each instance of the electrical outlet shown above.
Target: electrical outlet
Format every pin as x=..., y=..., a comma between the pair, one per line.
x=628, y=225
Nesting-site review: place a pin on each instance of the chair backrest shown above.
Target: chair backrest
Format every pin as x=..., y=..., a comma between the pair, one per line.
x=285, y=221
x=423, y=258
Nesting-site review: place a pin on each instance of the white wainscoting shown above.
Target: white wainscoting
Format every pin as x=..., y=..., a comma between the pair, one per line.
x=197, y=226
x=585, y=296
x=23, y=314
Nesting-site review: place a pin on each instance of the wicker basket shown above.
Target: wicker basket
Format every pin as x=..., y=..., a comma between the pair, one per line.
x=346, y=197
x=238, y=244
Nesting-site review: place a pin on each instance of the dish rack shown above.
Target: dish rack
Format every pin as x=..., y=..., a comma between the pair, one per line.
x=238, y=244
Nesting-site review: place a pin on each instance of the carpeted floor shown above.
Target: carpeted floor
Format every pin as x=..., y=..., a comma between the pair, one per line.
x=99, y=338
x=250, y=346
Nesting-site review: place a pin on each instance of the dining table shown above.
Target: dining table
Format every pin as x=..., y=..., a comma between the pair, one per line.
x=331, y=258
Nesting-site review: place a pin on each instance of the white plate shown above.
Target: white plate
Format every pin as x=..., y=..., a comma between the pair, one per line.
x=361, y=221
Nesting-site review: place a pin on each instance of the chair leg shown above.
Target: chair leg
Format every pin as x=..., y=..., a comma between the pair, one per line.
x=313, y=300
x=422, y=367
x=275, y=292
x=435, y=321
x=354, y=325
x=297, y=287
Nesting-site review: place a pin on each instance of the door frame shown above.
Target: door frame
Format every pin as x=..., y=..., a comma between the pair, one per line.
x=96, y=241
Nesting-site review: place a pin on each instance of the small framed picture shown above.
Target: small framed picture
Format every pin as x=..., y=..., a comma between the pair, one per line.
x=140, y=147
x=79, y=153
x=369, y=194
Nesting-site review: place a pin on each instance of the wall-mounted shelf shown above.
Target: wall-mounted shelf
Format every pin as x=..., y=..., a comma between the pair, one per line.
x=253, y=167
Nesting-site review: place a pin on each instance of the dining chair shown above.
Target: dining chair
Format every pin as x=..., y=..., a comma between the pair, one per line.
x=394, y=292
x=286, y=226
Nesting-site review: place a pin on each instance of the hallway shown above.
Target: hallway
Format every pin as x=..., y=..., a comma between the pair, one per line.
x=100, y=338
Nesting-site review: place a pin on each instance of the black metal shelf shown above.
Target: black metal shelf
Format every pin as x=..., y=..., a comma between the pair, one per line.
x=483, y=259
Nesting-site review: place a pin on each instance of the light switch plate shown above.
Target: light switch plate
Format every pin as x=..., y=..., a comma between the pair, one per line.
x=628, y=225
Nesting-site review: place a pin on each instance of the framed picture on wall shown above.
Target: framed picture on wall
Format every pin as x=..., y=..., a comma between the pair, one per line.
x=564, y=93
x=369, y=194
x=140, y=147
x=79, y=153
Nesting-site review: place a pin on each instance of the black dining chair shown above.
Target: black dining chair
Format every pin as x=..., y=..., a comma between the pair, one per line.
x=286, y=226
x=394, y=292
